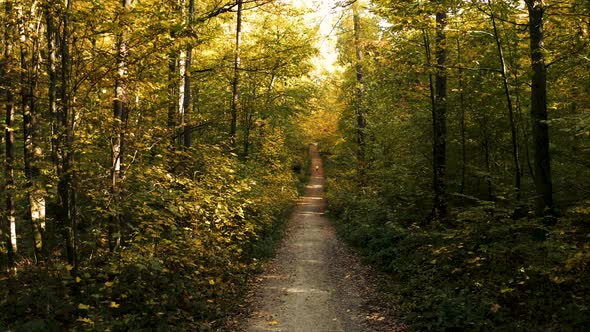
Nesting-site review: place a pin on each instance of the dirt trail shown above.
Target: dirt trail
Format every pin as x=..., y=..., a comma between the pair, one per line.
x=315, y=283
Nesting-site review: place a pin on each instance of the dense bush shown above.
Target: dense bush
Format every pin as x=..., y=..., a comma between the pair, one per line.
x=487, y=272
x=193, y=239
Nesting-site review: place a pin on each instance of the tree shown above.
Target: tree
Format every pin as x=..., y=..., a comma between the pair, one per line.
x=439, y=120
x=186, y=103
x=540, y=127
x=30, y=37
x=9, y=222
x=66, y=120
x=505, y=83
x=236, y=76
x=361, y=122
x=120, y=110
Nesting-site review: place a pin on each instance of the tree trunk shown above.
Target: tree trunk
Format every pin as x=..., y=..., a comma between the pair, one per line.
x=32, y=150
x=540, y=129
x=9, y=187
x=182, y=58
x=248, y=124
x=120, y=108
x=51, y=37
x=172, y=88
x=518, y=109
x=513, y=133
x=486, y=156
x=66, y=192
x=462, y=121
x=426, y=40
x=9, y=190
x=439, y=119
x=185, y=130
x=236, y=81
x=361, y=122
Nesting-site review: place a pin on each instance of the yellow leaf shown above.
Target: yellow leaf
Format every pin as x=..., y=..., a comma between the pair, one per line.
x=83, y=306
x=474, y=260
x=108, y=283
x=78, y=279
x=273, y=323
x=211, y=282
x=114, y=304
x=85, y=320
x=69, y=267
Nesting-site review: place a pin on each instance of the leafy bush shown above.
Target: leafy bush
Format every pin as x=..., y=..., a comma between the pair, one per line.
x=192, y=237
x=486, y=272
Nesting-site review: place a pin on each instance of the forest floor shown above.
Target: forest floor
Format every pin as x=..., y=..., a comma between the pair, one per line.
x=315, y=282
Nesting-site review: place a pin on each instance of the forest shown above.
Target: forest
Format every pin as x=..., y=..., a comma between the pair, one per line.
x=152, y=150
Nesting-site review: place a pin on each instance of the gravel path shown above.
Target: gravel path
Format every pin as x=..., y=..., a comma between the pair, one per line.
x=315, y=283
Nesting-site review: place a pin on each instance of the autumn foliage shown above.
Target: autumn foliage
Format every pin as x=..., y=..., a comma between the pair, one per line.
x=126, y=205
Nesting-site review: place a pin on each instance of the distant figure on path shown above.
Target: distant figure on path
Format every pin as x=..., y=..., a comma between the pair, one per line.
x=317, y=168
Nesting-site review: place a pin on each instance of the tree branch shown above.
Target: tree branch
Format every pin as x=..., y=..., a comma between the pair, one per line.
x=230, y=7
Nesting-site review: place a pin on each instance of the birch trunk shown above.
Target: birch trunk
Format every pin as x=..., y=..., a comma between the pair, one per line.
x=9, y=76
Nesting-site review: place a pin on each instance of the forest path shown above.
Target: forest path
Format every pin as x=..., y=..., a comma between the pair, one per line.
x=315, y=283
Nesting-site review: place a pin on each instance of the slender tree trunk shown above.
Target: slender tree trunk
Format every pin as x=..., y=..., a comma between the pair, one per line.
x=9, y=187
x=172, y=88
x=462, y=120
x=120, y=108
x=525, y=132
x=236, y=81
x=51, y=37
x=486, y=152
x=513, y=133
x=540, y=129
x=361, y=122
x=182, y=59
x=52, y=88
x=518, y=110
x=248, y=110
x=439, y=119
x=9, y=184
x=185, y=130
x=32, y=150
x=66, y=118
x=426, y=40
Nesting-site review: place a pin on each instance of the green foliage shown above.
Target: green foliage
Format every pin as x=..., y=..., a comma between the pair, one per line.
x=193, y=236
x=490, y=266
x=193, y=219
x=488, y=273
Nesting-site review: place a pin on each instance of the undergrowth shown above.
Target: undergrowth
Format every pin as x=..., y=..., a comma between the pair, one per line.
x=192, y=244
x=482, y=271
